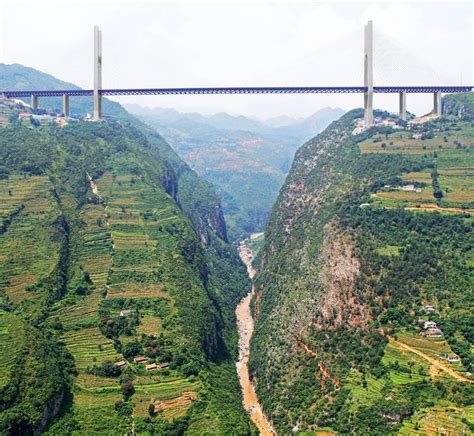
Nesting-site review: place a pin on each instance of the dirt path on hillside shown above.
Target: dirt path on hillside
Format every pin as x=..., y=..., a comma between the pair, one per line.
x=245, y=326
x=434, y=362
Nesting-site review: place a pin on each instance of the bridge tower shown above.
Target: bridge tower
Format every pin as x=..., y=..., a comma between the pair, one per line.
x=368, y=74
x=97, y=73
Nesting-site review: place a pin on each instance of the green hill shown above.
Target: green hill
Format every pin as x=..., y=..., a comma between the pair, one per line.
x=111, y=248
x=21, y=78
x=367, y=230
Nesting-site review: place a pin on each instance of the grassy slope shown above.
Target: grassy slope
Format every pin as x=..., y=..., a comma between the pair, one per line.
x=134, y=244
x=318, y=356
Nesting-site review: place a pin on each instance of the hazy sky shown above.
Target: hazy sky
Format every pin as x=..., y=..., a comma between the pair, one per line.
x=247, y=43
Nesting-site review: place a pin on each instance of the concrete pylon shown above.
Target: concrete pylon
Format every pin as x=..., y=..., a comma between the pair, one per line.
x=437, y=106
x=34, y=102
x=97, y=73
x=403, y=105
x=368, y=75
x=66, y=105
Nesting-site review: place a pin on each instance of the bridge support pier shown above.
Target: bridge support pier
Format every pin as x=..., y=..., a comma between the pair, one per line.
x=368, y=76
x=66, y=105
x=97, y=73
x=437, y=106
x=403, y=105
x=34, y=102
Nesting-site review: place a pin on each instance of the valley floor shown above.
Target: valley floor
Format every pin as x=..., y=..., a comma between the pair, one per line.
x=245, y=325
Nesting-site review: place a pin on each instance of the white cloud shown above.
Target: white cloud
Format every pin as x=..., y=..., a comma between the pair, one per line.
x=196, y=43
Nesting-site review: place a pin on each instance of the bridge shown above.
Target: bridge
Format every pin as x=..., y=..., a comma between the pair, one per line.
x=368, y=89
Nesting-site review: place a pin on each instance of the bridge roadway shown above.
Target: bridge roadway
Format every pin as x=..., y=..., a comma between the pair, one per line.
x=237, y=90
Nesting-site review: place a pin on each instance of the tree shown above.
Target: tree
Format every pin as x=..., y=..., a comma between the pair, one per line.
x=151, y=409
x=108, y=369
x=127, y=389
x=131, y=349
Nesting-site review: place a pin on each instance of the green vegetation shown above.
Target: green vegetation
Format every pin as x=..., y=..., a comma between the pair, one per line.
x=111, y=249
x=349, y=262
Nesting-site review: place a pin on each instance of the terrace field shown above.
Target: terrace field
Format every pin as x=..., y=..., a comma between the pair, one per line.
x=29, y=250
x=12, y=336
x=117, y=247
x=450, y=147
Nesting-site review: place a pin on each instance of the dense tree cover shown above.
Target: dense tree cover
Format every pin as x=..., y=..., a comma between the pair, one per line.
x=310, y=360
x=39, y=379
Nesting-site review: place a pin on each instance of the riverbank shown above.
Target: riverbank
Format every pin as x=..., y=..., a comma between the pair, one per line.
x=245, y=325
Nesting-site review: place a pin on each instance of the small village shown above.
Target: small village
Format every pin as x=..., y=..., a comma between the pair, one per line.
x=431, y=330
x=12, y=109
x=143, y=360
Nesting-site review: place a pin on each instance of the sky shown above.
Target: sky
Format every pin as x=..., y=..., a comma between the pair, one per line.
x=246, y=43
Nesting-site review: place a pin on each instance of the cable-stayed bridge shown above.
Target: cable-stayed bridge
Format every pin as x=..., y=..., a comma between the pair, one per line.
x=368, y=90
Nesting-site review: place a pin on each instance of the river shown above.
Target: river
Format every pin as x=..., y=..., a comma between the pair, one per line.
x=245, y=327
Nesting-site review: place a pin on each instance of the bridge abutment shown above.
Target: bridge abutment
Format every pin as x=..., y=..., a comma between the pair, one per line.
x=403, y=105
x=437, y=105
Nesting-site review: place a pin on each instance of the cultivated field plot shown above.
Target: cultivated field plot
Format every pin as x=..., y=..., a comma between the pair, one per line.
x=457, y=185
x=89, y=347
x=403, y=368
x=432, y=347
x=11, y=340
x=406, y=367
x=452, y=152
x=31, y=237
x=406, y=142
x=149, y=325
x=96, y=414
x=443, y=419
x=174, y=394
x=94, y=254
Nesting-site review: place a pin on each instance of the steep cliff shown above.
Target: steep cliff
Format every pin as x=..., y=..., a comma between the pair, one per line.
x=343, y=270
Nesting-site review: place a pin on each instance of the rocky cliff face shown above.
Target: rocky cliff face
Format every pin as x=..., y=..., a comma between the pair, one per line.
x=299, y=234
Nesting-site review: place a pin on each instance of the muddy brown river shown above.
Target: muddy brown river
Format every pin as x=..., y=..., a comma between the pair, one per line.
x=245, y=327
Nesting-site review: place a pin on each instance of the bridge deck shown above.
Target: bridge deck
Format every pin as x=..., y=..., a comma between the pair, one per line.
x=238, y=90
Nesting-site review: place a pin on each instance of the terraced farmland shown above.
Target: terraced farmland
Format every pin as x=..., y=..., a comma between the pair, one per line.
x=11, y=339
x=444, y=419
x=451, y=152
x=89, y=347
x=406, y=142
x=29, y=234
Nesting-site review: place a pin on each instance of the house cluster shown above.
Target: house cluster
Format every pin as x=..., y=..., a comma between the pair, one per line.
x=410, y=188
x=378, y=122
x=406, y=188
x=430, y=329
x=43, y=119
x=451, y=358
x=143, y=359
x=429, y=309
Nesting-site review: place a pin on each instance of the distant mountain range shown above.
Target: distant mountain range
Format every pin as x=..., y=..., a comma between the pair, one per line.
x=300, y=129
x=246, y=159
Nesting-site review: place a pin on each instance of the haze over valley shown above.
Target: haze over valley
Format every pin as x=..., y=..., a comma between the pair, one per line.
x=245, y=159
